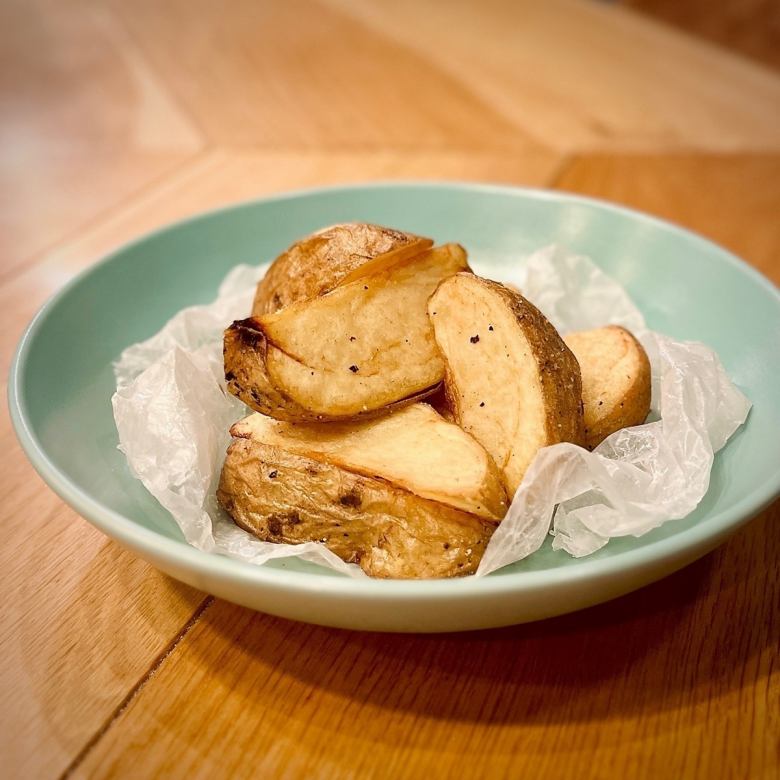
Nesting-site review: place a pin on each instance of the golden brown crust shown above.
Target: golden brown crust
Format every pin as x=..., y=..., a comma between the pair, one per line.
x=245, y=349
x=559, y=370
x=334, y=255
x=509, y=378
x=615, y=380
x=364, y=347
x=389, y=532
x=244, y=352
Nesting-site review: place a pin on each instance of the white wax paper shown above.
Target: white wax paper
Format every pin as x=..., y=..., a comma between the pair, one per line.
x=173, y=412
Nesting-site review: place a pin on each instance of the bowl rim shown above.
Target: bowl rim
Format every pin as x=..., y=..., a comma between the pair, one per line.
x=181, y=555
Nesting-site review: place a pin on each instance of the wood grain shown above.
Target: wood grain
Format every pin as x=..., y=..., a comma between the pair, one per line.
x=300, y=74
x=733, y=200
x=222, y=177
x=120, y=117
x=581, y=75
x=676, y=680
x=751, y=27
x=82, y=621
x=67, y=153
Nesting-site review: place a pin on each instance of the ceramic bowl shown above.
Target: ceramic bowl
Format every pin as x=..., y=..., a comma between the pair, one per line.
x=61, y=384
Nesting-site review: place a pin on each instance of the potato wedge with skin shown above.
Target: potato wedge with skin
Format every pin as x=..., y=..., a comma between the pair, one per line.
x=282, y=497
x=246, y=351
x=364, y=346
x=413, y=448
x=332, y=256
x=615, y=380
x=365, y=318
x=511, y=381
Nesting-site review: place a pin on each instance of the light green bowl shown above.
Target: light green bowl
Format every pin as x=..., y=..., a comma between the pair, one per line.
x=61, y=383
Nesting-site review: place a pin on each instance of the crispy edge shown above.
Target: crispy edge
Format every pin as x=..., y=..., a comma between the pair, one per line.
x=321, y=261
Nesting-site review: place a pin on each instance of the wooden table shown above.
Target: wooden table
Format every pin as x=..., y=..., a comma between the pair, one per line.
x=118, y=117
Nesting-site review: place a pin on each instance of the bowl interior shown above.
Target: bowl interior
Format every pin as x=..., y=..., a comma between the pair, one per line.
x=686, y=287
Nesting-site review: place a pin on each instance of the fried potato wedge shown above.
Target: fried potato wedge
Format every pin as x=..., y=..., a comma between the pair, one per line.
x=366, y=345
x=414, y=448
x=511, y=381
x=332, y=256
x=280, y=496
x=615, y=380
x=245, y=354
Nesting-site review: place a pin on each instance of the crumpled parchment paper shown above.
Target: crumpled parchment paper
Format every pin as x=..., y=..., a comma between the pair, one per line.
x=173, y=412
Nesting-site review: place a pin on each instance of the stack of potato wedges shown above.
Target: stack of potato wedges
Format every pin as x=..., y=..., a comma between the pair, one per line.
x=399, y=400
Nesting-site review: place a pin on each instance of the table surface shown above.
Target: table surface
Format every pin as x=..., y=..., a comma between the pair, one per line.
x=119, y=117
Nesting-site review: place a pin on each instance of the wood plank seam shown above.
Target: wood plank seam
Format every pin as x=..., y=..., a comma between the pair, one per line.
x=195, y=165
x=24, y=264
x=138, y=687
x=119, y=24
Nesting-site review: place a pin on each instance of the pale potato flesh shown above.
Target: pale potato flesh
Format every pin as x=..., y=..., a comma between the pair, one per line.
x=341, y=394
x=246, y=353
x=511, y=381
x=413, y=448
x=615, y=380
x=332, y=256
x=363, y=346
x=280, y=496
x=367, y=322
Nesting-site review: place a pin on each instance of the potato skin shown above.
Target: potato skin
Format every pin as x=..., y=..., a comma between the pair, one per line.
x=513, y=403
x=303, y=362
x=316, y=264
x=559, y=370
x=389, y=532
x=413, y=448
x=244, y=353
x=615, y=390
